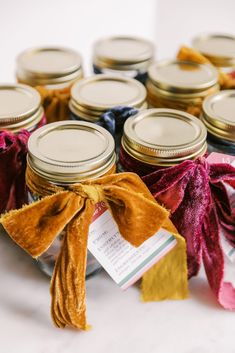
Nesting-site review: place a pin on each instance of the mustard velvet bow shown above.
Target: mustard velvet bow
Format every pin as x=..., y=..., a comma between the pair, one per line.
x=138, y=216
x=55, y=103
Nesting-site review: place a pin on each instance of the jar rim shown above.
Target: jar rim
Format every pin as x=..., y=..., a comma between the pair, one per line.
x=123, y=52
x=219, y=48
x=146, y=136
x=218, y=114
x=20, y=107
x=70, y=151
x=185, y=77
x=48, y=66
x=99, y=93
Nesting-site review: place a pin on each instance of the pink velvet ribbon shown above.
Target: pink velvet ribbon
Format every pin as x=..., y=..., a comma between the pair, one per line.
x=196, y=194
x=13, y=150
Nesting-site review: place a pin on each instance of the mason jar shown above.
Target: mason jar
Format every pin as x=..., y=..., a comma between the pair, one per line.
x=159, y=138
x=123, y=56
x=218, y=115
x=52, y=70
x=218, y=48
x=92, y=97
x=20, y=108
x=66, y=153
x=180, y=85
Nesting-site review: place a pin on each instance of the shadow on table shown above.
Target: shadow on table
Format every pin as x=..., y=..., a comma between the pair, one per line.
x=201, y=292
x=16, y=261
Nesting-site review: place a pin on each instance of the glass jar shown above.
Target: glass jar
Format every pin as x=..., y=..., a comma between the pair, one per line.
x=93, y=96
x=218, y=48
x=123, y=56
x=159, y=138
x=20, y=108
x=180, y=85
x=52, y=70
x=65, y=153
x=219, y=119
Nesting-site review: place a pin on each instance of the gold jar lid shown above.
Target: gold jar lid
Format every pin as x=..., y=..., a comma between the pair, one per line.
x=218, y=48
x=123, y=53
x=92, y=96
x=70, y=151
x=48, y=66
x=183, y=77
x=20, y=107
x=164, y=137
x=219, y=114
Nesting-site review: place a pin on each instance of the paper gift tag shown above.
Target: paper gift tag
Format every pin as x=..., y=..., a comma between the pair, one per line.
x=224, y=158
x=124, y=262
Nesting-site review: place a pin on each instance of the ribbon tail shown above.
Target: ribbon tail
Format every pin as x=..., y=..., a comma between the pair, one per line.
x=68, y=282
x=213, y=258
x=168, y=278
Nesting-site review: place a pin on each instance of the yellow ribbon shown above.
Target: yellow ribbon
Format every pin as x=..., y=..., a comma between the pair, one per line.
x=55, y=103
x=135, y=211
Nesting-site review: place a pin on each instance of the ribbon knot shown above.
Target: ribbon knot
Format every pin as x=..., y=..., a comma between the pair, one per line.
x=138, y=217
x=93, y=192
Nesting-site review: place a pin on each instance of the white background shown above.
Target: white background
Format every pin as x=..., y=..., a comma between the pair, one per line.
x=120, y=322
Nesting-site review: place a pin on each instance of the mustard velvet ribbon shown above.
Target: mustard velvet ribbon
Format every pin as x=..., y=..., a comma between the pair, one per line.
x=135, y=211
x=55, y=103
x=226, y=81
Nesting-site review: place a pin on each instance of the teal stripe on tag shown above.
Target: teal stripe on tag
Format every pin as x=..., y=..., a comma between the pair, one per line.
x=133, y=273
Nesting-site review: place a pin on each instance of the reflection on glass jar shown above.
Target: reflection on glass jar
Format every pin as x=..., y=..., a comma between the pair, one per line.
x=181, y=85
x=52, y=70
x=20, y=108
x=123, y=56
x=159, y=138
x=218, y=48
x=218, y=117
x=65, y=153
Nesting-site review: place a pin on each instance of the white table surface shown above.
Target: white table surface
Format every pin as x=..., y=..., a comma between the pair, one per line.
x=121, y=323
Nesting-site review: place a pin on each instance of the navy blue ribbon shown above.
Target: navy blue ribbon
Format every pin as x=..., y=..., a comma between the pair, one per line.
x=141, y=76
x=114, y=119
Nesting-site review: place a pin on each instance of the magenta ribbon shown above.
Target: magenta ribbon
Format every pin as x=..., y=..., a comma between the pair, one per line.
x=196, y=193
x=13, y=150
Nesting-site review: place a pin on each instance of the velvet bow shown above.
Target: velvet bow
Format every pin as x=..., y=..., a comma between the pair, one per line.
x=13, y=149
x=198, y=196
x=138, y=217
x=55, y=103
